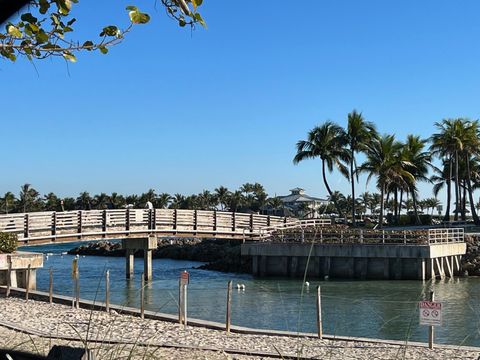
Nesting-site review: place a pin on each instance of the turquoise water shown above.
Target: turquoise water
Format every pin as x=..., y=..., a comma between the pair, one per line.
x=376, y=309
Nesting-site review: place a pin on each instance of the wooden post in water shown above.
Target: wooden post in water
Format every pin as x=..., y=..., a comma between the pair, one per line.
x=142, y=297
x=431, y=332
x=9, y=276
x=77, y=291
x=27, y=285
x=185, y=321
x=229, y=309
x=319, y=313
x=107, y=291
x=180, y=302
x=50, y=287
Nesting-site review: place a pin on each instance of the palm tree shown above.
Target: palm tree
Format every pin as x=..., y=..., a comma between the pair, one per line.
x=222, y=195
x=471, y=144
x=359, y=133
x=8, y=201
x=417, y=162
x=235, y=200
x=326, y=142
x=28, y=197
x=101, y=201
x=52, y=202
x=275, y=203
x=163, y=200
x=447, y=143
x=84, y=201
x=177, y=201
x=365, y=199
x=383, y=161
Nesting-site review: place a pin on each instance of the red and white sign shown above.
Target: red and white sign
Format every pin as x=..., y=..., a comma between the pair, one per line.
x=184, y=278
x=430, y=313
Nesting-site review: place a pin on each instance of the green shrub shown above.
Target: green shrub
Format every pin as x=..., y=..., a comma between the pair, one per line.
x=410, y=220
x=8, y=243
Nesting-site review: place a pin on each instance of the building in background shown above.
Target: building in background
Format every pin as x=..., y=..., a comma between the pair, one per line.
x=297, y=204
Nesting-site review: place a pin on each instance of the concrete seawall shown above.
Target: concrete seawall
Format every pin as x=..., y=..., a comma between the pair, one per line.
x=355, y=261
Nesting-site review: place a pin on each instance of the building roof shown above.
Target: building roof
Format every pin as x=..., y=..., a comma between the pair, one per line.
x=298, y=195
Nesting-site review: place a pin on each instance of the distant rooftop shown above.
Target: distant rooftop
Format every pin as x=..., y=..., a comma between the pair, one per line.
x=298, y=195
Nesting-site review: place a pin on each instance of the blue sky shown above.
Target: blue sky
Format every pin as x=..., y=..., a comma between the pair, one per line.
x=182, y=111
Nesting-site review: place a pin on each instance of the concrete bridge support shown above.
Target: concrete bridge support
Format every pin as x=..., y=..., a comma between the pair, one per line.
x=147, y=244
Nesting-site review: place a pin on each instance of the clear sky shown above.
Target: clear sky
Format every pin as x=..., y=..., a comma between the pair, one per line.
x=182, y=111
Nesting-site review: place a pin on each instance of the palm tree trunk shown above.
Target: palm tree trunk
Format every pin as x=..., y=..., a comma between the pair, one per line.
x=457, y=188
x=415, y=210
x=476, y=220
x=340, y=214
x=396, y=205
x=400, y=206
x=352, y=179
x=464, y=201
x=382, y=204
x=449, y=191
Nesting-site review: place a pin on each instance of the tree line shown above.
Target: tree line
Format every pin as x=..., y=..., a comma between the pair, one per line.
x=250, y=197
x=399, y=166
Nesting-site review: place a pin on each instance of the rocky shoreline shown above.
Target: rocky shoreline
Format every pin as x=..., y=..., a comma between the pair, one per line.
x=218, y=254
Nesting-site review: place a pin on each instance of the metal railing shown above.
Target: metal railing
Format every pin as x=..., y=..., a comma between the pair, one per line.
x=446, y=235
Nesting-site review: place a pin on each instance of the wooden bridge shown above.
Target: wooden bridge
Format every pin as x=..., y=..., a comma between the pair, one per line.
x=84, y=225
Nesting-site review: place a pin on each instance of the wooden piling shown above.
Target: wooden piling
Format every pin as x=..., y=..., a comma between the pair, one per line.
x=185, y=320
x=180, y=302
x=27, y=285
x=319, y=313
x=50, y=287
x=229, y=309
x=9, y=276
x=431, y=332
x=107, y=291
x=142, y=297
x=77, y=291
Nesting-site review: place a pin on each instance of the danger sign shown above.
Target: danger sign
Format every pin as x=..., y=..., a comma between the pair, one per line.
x=430, y=313
x=184, y=278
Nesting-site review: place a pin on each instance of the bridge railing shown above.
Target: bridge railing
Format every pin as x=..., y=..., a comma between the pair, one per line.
x=49, y=226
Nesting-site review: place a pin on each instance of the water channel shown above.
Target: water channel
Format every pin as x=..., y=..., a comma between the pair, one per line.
x=375, y=309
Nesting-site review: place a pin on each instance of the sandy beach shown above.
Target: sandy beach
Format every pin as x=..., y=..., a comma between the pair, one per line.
x=36, y=326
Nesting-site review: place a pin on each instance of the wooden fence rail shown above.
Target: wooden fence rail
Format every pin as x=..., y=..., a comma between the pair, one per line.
x=44, y=227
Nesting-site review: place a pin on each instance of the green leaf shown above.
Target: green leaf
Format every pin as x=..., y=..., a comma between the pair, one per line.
x=41, y=37
x=32, y=28
x=109, y=31
x=29, y=18
x=69, y=56
x=14, y=31
x=199, y=18
x=64, y=6
x=44, y=6
x=88, y=45
x=132, y=8
x=138, y=17
x=70, y=22
x=103, y=49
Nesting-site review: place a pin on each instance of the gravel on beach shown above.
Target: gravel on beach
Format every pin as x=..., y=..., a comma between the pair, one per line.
x=156, y=339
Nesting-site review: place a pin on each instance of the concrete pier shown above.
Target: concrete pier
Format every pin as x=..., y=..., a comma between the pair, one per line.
x=19, y=262
x=147, y=244
x=355, y=261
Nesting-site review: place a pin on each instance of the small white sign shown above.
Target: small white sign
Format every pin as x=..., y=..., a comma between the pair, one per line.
x=3, y=262
x=430, y=313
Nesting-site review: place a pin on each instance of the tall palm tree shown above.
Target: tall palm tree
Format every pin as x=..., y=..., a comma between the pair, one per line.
x=28, y=197
x=418, y=163
x=222, y=195
x=326, y=142
x=8, y=201
x=84, y=201
x=51, y=202
x=384, y=162
x=359, y=133
x=163, y=200
x=471, y=145
x=365, y=199
x=447, y=143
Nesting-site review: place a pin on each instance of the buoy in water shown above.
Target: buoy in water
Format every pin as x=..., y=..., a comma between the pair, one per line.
x=307, y=284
